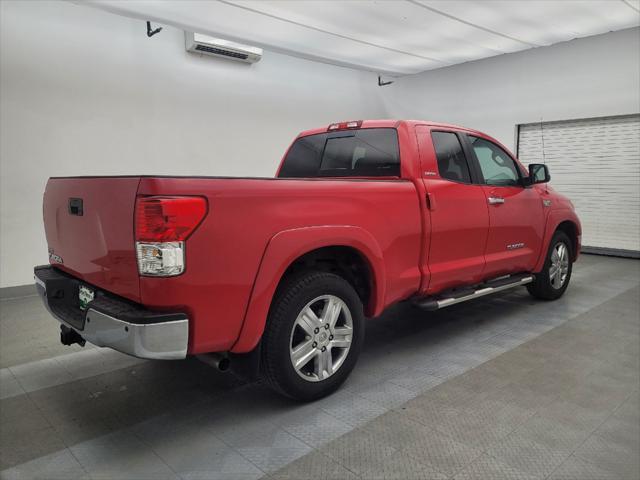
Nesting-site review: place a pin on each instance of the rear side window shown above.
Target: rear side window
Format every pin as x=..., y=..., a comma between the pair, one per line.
x=371, y=152
x=452, y=163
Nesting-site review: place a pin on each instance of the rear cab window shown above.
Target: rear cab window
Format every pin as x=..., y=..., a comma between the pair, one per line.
x=368, y=152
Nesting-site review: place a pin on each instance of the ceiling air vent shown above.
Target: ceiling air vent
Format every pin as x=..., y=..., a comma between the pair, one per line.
x=216, y=47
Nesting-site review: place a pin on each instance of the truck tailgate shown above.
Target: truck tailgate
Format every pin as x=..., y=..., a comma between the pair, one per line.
x=90, y=234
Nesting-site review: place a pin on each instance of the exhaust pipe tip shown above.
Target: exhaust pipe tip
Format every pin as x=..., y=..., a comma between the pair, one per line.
x=224, y=364
x=216, y=360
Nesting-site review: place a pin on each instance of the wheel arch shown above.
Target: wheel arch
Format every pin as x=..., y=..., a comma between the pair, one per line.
x=345, y=261
x=324, y=247
x=567, y=221
x=571, y=229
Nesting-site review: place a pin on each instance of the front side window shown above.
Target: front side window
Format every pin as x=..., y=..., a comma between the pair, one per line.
x=371, y=152
x=497, y=167
x=452, y=163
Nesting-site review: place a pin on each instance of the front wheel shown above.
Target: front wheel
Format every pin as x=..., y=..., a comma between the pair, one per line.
x=313, y=337
x=553, y=279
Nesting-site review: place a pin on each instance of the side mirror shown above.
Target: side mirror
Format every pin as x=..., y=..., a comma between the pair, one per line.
x=538, y=173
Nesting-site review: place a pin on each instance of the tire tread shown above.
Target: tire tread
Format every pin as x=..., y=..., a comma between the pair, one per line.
x=292, y=288
x=541, y=287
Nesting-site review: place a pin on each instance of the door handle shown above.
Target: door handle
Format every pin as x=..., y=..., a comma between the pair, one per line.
x=495, y=200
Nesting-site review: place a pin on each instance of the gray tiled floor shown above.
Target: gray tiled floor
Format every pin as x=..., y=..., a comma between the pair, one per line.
x=504, y=387
x=573, y=414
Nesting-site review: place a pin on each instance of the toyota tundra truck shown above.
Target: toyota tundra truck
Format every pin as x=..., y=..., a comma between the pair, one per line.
x=276, y=275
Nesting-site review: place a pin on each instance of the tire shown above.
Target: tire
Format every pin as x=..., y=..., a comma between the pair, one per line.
x=543, y=286
x=289, y=333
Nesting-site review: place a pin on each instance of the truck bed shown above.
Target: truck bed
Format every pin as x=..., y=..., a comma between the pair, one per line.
x=225, y=252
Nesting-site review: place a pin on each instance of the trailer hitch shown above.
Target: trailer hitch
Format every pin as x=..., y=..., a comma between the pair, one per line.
x=68, y=336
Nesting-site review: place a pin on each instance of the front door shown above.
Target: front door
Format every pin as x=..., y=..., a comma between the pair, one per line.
x=516, y=217
x=458, y=212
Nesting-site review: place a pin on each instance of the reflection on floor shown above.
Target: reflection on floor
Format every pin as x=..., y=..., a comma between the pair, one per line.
x=502, y=387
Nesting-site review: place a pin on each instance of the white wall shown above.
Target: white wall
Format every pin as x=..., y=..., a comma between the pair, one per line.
x=86, y=92
x=588, y=77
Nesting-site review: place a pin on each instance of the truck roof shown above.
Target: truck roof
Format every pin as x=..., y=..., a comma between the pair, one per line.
x=391, y=123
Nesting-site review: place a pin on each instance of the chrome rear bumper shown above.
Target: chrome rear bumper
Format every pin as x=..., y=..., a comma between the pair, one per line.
x=112, y=322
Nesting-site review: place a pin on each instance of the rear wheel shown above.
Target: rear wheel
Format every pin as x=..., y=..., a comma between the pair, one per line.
x=313, y=336
x=553, y=280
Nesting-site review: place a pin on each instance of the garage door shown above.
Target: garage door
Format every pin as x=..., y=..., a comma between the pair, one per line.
x=596, y=163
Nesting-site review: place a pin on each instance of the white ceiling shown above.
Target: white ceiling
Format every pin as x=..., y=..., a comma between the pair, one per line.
x=388, y=36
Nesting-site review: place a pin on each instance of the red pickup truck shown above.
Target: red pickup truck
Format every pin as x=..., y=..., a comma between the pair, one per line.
x=276, y=276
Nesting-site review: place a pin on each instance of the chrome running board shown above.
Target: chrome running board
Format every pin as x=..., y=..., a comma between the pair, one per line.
x=488, y=288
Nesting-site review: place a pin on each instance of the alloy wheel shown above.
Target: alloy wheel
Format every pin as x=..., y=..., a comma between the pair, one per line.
x=321, y=338
x=559, y=267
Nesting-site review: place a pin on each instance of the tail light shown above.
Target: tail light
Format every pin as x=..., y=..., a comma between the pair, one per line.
x=345, y=125
x=162, y=225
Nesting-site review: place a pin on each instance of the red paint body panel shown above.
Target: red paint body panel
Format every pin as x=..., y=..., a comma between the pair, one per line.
x=418, y=234
x=459, y=224
x=285, y=247
x=97, y=247
x=561, y=211
x=519, y=220
x=247, y=217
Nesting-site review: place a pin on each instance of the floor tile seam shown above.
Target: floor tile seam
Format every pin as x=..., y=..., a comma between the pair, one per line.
x=403, y=450
x=586, y=438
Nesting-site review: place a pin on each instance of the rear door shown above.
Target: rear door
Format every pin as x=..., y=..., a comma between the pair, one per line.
x=458, y=211
x=89, y=228
x=516, y=216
